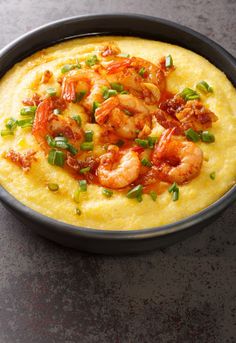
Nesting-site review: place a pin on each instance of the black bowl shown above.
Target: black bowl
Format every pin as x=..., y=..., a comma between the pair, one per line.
x=103, y=241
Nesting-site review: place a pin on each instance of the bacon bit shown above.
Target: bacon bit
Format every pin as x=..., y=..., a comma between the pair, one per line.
x=23, y=160
x=34, y=101
x=76, y=165
x=173, y=105
x=110, y=50
x=196, y=116
x=46, y=76
x=168, y=122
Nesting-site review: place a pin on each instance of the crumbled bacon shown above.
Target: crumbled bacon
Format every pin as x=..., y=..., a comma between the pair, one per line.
x=162, y=65
x=195, y=115
x=172, y=105
x=34, y=101
x=46, y=76
x=23, y=160
x=76, y=164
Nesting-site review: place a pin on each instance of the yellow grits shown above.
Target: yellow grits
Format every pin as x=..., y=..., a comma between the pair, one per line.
x=117, y=212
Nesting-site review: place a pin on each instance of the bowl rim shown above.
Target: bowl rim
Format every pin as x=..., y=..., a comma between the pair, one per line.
x=78, y=231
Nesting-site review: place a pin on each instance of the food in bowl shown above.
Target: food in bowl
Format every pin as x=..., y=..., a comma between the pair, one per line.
x=117, y=132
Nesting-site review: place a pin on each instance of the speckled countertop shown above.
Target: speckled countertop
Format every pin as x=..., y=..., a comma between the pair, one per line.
x=183, y=294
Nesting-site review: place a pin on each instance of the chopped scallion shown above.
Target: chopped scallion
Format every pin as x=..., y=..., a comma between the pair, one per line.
x=11, y=123
x=5, y=133
x=91, y=61
x=142, y=142
x=72, y=149
x=213, y=175
x=76, y=195
x=80, y=96
x=25, y=123
x=153, y=195
x=28, y=110
x=77, y=118
x=117, y=86
x=192, y=135
x=135, y=192
x=204, y=87
x=50, y=141
x=83, y=185
x=56, y=157
x=56, y=111
x=169, y=61
x=87, y=146
x=145, y=162
x=173, y=187
x=96, y=104
x=152, y=141
x=88, y=136
x=175, y=195
x=84, y=170
x=189, y=94
x=53, y=187
x=78, y=211
x=107, y=192
x=68, y=67
x=142, y=71
x=51, y=91
x=207, y=137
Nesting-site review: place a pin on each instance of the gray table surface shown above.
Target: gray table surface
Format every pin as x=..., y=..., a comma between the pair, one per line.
x=185, y=293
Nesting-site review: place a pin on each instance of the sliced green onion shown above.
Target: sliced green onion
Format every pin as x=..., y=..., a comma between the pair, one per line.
x=204, y=87
x=153, y=195
x=124, y=55
x=139, y=198
x=169, y=61
x=57, y=111
x=175, y=195
x=145, y=162
x=78, y=211
x=107, y=192
x=96, y=104
x=88, y=136
x=152, y=141
x=25, y=123
x=72, y=149
x=135, y=192
x=120, y=143
x=5, y=133
x=128, y=113
x=77, y=118
x=142, y=71
x=50, y=141
x=80, y=96
x=192, y=135
x=117, y=86
x=83, y=185
x=189, y=94
x=68, y=67
x=124, y=92
x=61, y=139
x=213, y=175
x=142, y=142
x=91, y=61
x=87, y=146
x=56, y=157
x=51, y=91
x=207, y=137
x=53, y=187
x=61, y=145
x=76, y=195
x=84, y=170
x=11, y=123
x=28, y=110
x=173, y=187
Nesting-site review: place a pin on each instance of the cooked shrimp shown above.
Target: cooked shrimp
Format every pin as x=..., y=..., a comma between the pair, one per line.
x=151, y=73
x=118, y=169
x=177, y=161
x=93, y=81
x=47, y=123
x=125, y=114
